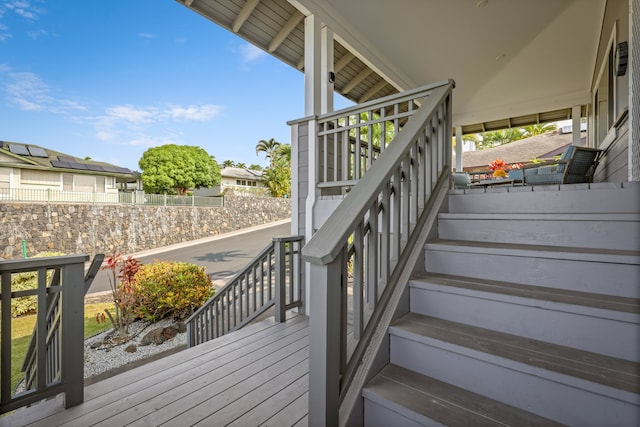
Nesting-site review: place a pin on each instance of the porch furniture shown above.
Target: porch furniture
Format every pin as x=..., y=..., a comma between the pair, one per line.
x=492, y=182
x=577, y=165
x=461, y=180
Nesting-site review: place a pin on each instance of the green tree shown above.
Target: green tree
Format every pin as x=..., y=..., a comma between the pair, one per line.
x=277, y=176
x=241, y=165
x=174, y=169
x=268, y=147
x=538, y=129
x=255, y=167
x=227, y=164
x=499, y=137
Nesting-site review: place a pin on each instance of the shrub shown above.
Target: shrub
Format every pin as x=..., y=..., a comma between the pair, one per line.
x=26, y=281
x=166, y=288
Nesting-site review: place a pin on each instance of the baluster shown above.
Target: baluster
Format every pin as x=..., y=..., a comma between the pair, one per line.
x=358, y=297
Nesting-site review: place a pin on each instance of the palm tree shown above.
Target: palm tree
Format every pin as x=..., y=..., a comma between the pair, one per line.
x=499, y=137
x=538, y=129
x=227, y=164
x=267, y=147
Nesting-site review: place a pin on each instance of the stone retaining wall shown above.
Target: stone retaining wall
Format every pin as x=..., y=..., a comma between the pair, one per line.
x=91, y=229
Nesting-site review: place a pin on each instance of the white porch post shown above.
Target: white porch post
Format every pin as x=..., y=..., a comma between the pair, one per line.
x=575, y=116
x=318, y=62
x=634, y=90
x=459, y=143
x=326, y=67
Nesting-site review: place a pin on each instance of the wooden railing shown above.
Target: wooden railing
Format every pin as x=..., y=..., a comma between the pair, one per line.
x=59, y=343
x=272, y=278
x=350, y=140
x=52, y=320
x=361, y=254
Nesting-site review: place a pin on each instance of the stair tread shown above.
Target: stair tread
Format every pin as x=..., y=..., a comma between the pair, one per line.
x=446, y=403
x=609, y=371
x=587, y=299
x=597, y=216
x=512, y=247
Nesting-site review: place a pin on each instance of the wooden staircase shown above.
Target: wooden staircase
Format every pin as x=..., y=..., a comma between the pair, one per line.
x=527, y=312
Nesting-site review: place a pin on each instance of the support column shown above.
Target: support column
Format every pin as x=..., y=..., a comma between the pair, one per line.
x=575, y=116
x=459, y=147
x=634, y=90
x=326, y=65
x=312, y=66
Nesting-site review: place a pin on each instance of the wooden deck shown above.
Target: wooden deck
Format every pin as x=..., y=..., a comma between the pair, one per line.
x=256, y=376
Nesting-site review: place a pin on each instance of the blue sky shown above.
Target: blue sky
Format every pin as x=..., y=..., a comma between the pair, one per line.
x=109, y=79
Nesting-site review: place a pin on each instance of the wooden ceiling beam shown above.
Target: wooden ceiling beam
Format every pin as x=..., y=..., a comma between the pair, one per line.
x=356, y=81
x=284, y=32
x=244, y=14
x=342, y=62
x=372, y=91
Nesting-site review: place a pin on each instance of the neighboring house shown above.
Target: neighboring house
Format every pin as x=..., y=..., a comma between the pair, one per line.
x=31, y=172
x=525, y=150
x=237, y=180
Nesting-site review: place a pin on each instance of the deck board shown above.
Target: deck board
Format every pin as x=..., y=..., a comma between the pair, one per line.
x=251, y=377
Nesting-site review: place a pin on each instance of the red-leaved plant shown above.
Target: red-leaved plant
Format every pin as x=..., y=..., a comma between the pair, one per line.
x=122, y=284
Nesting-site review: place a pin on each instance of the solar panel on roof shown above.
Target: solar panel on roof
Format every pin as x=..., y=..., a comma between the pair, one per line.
x=59, y=164
x=66, y=159
x=18, y=149
x=37, y=151
x=81, y=166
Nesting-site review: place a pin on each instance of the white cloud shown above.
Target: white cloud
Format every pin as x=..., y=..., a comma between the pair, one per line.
x=35, y=35
x=201, y=113
x=147, y=35
x=251, y=53
x=23, y=8
x=28, y=92
x=131, y=114
x=132, y=125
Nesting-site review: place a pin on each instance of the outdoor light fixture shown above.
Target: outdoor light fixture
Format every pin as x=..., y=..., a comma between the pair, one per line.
x=332, y=77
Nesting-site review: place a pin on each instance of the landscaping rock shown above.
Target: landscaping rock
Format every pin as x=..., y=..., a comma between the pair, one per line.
x=131, y=348
x=159, y=335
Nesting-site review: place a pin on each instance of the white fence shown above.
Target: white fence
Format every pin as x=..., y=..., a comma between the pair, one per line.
x=131, y=198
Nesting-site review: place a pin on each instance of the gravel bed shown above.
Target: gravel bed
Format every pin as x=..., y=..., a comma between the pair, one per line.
x=108, y=357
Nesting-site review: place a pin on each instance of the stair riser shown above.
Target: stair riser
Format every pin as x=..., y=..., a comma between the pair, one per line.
x=597, y=277
x=562, y=324
x=617, y=235
x=570, y=199
x=535, y=390
x=376, y=415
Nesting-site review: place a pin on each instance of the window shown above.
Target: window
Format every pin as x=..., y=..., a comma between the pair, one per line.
x=604, y=98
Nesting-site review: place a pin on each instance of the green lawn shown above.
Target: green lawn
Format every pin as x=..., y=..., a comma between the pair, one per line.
x=22, y=327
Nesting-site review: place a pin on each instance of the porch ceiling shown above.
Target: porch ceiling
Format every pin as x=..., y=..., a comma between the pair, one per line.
x=515, y=62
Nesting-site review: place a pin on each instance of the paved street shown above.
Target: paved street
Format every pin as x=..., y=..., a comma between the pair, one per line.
x=222, y=257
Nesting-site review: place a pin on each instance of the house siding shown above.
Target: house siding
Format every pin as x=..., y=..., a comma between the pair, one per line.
x=613, y=167
x=303, y=175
